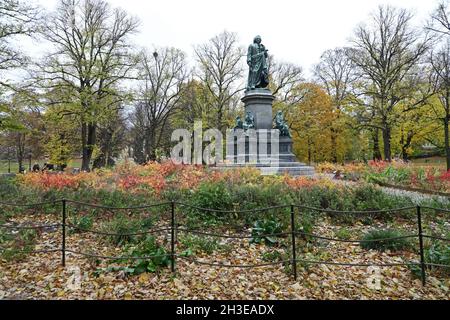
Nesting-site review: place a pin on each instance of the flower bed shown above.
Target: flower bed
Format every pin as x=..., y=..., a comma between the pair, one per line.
x=397, y=173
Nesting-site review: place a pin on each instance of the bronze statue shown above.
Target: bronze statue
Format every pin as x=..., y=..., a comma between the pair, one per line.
x=239, y=124
x=258, y=76
x=281, y=125
x=249, y=122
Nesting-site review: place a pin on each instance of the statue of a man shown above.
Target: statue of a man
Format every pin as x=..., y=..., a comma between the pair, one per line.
x=258, y=76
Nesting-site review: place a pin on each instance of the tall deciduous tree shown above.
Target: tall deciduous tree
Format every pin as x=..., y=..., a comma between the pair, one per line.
x=309, y=122
x=17, y=18
x=161, y=80
x=386, y=53
x=440, y=67
x=220, y=69
x=285, y=78
x=336, y=73
x=440, y=19
x=92, y=56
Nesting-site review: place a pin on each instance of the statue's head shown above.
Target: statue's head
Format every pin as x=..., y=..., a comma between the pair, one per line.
x=280, y=112
x=257, y=39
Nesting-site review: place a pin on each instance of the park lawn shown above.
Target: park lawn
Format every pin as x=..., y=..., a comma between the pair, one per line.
x=73, y=163
x=433, y=161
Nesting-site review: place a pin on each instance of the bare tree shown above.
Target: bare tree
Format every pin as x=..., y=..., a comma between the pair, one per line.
x=220, y=69
x=111, y=139
x=285, y=80
x=162, y=78
x=440, y=19
x=16, y=18
x=386, y=54
x=336, y=73
x=440, y=80
x=92, y=56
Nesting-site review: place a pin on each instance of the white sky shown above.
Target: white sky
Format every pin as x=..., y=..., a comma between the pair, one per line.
x=296, y=31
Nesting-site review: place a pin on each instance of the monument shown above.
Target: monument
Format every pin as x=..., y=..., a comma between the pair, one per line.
x=261, y=140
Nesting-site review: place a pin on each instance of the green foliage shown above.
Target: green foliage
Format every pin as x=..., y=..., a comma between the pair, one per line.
x=121, y=226
x=211, y=196
x=199, y=244
x=83, y=222
x=59, y=149
x=252, y=196
x=369, y=240
x=439, y=253
x=17, y=245
x=158, y=257
x=263, y=229
x=274, y=256
x=344, y=234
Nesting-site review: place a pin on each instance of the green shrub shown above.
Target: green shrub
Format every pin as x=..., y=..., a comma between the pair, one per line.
x=368, y=242
x=344, y=234
x=201, y=244
x=18, y=245
x=262, y=230
x=122, y=226
x=210, y=196
x=438, y=253
x=275, y=256
x=84, y=223
x=147, y=248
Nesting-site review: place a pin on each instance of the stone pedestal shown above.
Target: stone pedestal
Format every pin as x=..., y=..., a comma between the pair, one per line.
x=255, y=149
x=259, y=103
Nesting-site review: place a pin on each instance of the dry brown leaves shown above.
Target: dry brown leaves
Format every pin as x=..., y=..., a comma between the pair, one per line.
x=41, y=276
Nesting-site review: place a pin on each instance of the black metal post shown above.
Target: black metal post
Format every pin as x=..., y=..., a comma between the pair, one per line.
x=294, y=256
x=422, y=257
x=9, y=160
x=172, y=238
x=63, y=258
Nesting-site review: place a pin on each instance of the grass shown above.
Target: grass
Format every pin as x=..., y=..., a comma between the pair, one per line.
x=74, y=163
x=433, y=161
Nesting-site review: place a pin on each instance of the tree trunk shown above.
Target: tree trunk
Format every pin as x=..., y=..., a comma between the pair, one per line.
x=334, y=145
x=376, y=145
x=88, y=132
x=387, y=143
x=406, y=144
x=447, y=141
x=309, y=152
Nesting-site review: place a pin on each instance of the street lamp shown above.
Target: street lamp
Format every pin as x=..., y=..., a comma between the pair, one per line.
x=29, y=162
x=9, y=159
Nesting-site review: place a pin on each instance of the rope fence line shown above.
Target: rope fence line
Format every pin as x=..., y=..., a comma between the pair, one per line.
x=45, y=226
x=354, y=241
x=118, y=234
x=173, y=228
x=91, y=255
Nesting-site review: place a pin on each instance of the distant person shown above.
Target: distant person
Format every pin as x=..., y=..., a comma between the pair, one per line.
x=36, y=167
x=48, y=167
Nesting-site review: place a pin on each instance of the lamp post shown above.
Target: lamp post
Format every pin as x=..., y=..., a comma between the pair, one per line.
x=9, y=159
x=29, y=161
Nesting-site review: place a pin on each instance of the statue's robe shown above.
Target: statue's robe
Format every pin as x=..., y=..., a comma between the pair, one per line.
x=257, y=61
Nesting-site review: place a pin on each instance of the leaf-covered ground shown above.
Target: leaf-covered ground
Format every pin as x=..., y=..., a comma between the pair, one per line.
x=41, y=276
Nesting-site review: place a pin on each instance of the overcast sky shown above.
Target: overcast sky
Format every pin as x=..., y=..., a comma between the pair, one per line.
x=296, y=31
